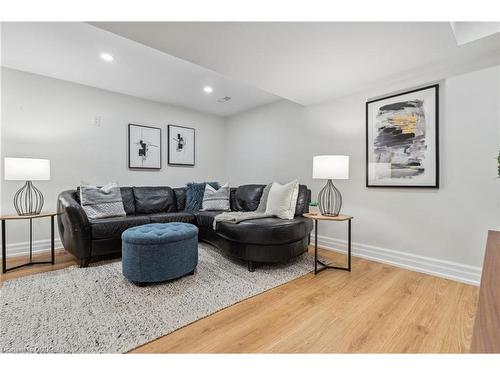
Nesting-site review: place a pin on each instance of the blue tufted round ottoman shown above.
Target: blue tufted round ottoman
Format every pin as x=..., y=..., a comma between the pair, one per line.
x=159, y=252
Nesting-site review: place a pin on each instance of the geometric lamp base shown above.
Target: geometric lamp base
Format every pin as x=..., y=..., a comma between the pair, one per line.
x=28, y=200
x=329, y=200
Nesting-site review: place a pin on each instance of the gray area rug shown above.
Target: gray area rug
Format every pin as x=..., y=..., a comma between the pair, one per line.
x=96, y=310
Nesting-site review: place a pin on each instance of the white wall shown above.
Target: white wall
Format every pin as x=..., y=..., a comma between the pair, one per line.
x=438, y=231
x=48, y=118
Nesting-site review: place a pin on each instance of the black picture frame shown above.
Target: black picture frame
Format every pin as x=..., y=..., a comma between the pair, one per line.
x=435, y=185
x=170, y=160
x=159, y=143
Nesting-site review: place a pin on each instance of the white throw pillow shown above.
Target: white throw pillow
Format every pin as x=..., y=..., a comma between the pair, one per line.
x=282, y=200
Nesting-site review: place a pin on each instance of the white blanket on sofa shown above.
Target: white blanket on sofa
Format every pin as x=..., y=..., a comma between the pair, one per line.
x=238, y=216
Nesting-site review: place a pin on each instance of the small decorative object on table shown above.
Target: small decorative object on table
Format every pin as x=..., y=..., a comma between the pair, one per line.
x=313, y=207
x=28, y=200
x=316, y=218
x=330, y=167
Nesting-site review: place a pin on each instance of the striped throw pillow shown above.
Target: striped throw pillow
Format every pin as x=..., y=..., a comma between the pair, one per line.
x=101, y=202
x=216, y=200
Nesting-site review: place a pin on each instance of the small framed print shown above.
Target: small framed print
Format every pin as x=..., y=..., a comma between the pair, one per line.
x=402, y=144
x=144, y=143
x=181, y=145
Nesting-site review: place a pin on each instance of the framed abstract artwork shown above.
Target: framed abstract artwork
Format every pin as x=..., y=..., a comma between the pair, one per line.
x=402, y=143
x=144, y=143
x=181, y=145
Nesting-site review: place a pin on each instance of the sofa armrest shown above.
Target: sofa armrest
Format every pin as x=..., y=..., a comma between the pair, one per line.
x=74, y=226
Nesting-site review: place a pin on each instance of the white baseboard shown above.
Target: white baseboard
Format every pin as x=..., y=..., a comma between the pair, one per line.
x=23, y=248
x=432, y=266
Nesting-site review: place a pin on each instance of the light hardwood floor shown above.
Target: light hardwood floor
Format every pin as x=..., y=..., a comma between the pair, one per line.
x=374, y=309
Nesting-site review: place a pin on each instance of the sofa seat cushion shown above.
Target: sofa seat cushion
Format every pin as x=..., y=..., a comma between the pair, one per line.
x=205, y=219
x=170, y=217
x=266, y=231
x=114, y=226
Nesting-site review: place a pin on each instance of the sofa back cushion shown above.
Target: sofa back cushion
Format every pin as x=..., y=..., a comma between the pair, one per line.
x=232, y=198
x=303, y=200
x=152, y=199
x=180, y=198
x=128, y=200
x=240, y=204
x=246, y=197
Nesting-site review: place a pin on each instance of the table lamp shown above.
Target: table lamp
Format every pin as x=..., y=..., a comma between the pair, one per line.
x=28, y=200
x=330, y=167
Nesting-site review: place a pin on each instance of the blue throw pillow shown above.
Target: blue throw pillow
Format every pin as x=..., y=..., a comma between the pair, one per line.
x=194, y=194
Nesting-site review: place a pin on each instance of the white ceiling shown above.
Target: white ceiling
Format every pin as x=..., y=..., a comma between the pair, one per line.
x=311, y=62
x=70, y=51
x=253, y=63
x=466, y=32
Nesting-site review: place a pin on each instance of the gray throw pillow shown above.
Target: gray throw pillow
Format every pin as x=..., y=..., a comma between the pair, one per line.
x=216, y=200
x=101, y=202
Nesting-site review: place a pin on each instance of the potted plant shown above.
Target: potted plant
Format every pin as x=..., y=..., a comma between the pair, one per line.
x=313, y=207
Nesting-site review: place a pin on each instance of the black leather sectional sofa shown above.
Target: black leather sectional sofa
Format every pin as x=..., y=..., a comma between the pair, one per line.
x=265, y=240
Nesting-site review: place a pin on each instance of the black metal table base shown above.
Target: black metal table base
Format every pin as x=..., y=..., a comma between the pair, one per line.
x=325, y=266
x=30, y=263
x=328, y=266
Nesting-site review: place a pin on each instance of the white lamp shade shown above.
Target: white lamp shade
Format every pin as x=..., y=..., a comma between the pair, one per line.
x=331, y=167
x=26, y=169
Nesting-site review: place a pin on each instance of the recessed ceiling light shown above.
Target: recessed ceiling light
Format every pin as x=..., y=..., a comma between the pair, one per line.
x=208, y=89
x=107, y=57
